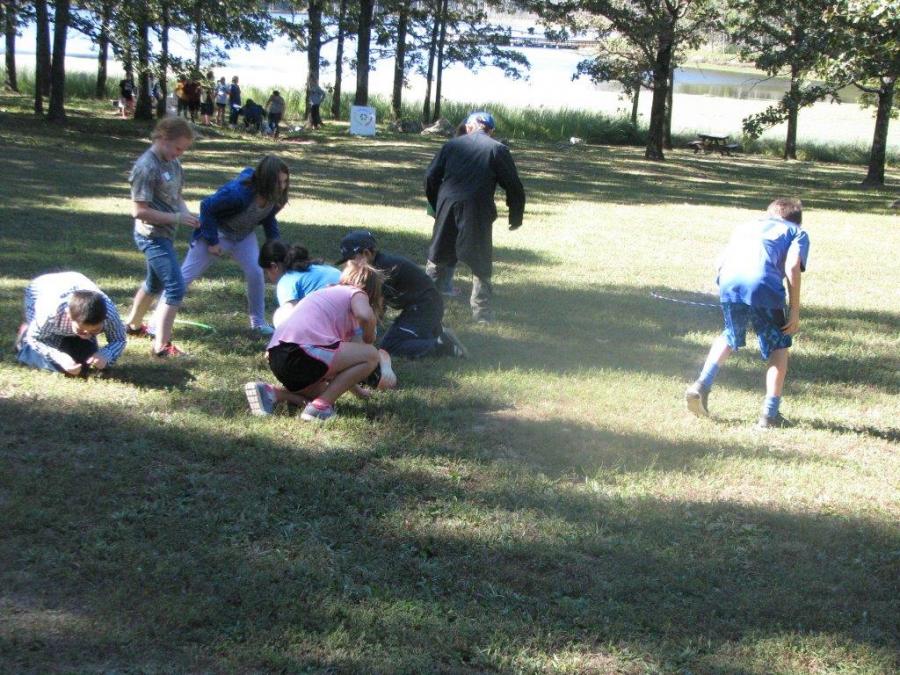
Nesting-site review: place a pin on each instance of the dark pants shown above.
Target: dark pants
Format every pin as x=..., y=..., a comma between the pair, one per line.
x=315, y=117
x=415, y=332
x=78, y=348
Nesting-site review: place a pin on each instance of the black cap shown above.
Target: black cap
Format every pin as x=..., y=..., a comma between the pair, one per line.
x=355, y=242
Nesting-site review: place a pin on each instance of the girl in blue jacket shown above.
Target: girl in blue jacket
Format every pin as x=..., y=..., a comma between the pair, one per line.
x=228, y=222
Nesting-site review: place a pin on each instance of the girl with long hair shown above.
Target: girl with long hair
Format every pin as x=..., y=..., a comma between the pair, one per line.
x=314, y=353
x=294, y=274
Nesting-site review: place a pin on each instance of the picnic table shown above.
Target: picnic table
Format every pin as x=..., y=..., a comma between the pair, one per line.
x=708, y=143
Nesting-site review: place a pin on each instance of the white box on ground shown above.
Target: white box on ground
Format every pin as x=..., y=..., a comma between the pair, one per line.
x=362, y=120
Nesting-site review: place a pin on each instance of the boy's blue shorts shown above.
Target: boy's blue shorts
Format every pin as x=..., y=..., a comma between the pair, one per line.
x=766, y=322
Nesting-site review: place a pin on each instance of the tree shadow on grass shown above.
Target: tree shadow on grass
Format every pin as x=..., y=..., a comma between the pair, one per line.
x=162, y=546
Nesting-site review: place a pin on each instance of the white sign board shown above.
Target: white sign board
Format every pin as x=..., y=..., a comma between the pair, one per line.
x=362, y=120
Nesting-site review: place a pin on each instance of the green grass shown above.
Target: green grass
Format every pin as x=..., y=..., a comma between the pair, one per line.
x=546, y=506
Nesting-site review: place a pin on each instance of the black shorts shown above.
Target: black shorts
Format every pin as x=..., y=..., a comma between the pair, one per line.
x=294, y=368
x=206, y=108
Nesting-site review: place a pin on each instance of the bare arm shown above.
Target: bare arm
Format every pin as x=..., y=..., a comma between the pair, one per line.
x=359, y=305
x=793, y=267
x=143, y=211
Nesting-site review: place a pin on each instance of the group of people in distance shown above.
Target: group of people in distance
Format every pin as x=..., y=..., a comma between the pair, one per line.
x=323, y=341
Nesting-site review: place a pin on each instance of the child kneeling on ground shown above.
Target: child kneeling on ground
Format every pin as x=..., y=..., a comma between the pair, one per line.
x=64, y=312
x=314, y=355
x=759, y=258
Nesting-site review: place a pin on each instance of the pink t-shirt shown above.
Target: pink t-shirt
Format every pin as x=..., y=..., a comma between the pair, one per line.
x=321, y=318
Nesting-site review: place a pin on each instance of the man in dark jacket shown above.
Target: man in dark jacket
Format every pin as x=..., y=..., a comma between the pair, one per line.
x=460, y=185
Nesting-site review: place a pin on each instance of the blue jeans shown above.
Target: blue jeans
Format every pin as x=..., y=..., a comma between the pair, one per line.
x=163, y=270
x=78, y=348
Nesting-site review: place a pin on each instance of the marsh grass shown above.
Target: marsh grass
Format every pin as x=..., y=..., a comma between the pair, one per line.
x=546, y=506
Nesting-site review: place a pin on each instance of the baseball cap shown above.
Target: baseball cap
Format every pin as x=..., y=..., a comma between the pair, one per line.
x=481, y=117
x=354, y=242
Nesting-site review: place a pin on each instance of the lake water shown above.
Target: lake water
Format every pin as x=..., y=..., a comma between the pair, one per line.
x=706, y=100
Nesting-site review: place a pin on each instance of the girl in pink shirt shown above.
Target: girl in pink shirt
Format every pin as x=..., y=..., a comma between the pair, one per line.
x=315, y=352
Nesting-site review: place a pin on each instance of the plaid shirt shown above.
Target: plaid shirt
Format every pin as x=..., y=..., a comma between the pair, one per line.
x=46, y=304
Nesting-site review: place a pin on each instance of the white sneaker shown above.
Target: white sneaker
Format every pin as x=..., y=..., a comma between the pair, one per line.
x=261, y=398
x=388, y=376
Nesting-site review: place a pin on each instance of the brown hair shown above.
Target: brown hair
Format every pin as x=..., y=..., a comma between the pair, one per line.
x=787, y=208
x=87, y=307
x=357, y=272
x=264, y=181
x=172, y=128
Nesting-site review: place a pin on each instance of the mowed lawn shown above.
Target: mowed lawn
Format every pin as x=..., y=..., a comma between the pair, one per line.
x=546, y=506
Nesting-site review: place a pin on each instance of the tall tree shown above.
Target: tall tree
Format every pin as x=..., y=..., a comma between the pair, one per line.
x=143, y=110
x=654, y=27
x=363, y=48
x=441, y=43
x=403, y=11
x=162, y=73
x=57, y=109
x=863, y=48
x=339, y=61
x=10, y=28
x=42, y=55
x=105, y=17
x=782, y=38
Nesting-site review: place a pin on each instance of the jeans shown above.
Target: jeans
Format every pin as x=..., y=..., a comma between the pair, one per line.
x=163, y=270
x=78, y=348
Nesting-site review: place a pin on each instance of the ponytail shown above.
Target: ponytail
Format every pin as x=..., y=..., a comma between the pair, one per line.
x=294, y=258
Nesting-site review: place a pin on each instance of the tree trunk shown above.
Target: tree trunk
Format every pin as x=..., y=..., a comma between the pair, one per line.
x=363, y=40
x=42, y=55
x=103, y=50
x=198, y=33
x=654, y=149
x=432, y=48
x=163, y=74
x=400, y=61
x=635, y=98
x=670, y=95
x=313, y=53
x=790, y=142
x=142, y=109
x=875, y=175
x=10, y=23
x=57, y=109
x=439, y=77
x=339, y=62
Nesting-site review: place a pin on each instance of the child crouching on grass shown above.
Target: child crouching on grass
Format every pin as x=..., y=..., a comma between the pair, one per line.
x=64, y=312
x=759, y=258
x=313, y=352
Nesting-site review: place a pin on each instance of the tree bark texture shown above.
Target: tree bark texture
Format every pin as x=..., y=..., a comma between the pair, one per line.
x=654, y=149
x=142, y=108
x=790, y=141
x=103, y=50
x=439, y=76
x=429, y=77
x=42, y=55
x=10, y=21
x=363, y=41
x=875, y=174
x=166, y=19
x=313, y=52
x=635, y=99
x=670, y=97
x=400, y=61
x=198, y=33
x=57, y=109
x=339, y=62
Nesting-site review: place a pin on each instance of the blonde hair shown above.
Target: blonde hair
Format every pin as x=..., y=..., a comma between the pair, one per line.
x=172, y=128
x=359, y=273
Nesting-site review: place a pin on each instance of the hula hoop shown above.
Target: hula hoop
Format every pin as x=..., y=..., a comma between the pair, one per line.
x=678, y=301
x=185, y=322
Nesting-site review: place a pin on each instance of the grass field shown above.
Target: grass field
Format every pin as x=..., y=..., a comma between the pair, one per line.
x=546, y=506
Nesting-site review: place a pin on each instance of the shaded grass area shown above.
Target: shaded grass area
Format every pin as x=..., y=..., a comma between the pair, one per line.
x=543, y=507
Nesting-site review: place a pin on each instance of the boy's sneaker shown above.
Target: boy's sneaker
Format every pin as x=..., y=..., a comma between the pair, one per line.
x=141, y=331
x=449, y=343
x=696, y=397
x=316, y=411
x=168, y=351
x=388, y=376
x=260, y=397
x=265, y=330
x=777, y=422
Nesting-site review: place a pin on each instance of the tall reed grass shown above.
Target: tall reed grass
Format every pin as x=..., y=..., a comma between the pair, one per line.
x=534, y=123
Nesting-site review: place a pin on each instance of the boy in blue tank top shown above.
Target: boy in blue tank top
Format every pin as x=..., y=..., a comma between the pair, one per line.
x=760, y=257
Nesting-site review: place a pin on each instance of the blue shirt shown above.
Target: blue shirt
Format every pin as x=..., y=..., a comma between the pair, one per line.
x=752, y=266
x=296, y=285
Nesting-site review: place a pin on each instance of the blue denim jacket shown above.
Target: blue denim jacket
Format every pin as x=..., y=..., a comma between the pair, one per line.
x=228, y=200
